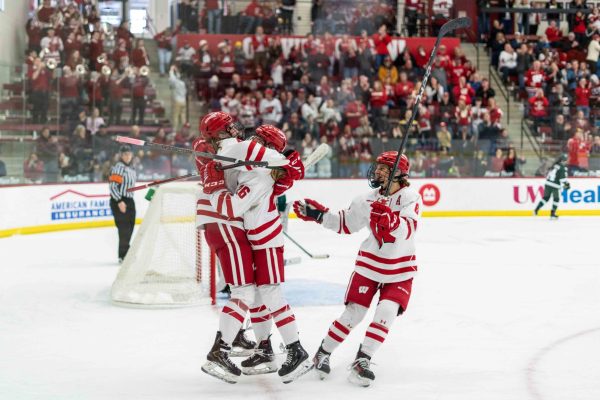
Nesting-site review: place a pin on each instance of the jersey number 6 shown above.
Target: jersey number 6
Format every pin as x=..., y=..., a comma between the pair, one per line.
x=243, y=191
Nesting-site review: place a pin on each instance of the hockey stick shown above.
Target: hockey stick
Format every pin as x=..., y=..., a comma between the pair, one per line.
x=156, y=183
x=452, y=25
x=318, y=256
x=183, y=150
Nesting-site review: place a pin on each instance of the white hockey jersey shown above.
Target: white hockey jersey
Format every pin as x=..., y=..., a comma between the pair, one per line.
x=254, y=201
x=392, y=262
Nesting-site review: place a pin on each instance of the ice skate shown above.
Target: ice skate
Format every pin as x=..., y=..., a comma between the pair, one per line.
x=553, y=216
x=242, y=346
x=262, y=361
x=321, y=362
x=360, y=371
x=296, y=364
x=219, y=364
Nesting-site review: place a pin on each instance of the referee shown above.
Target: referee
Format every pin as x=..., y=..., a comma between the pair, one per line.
x=123, y=177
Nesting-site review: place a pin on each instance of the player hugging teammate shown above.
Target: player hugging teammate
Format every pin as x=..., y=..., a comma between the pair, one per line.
x=242, y=225
x=386, y=260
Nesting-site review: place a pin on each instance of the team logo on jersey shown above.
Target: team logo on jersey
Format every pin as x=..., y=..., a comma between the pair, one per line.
x=430, y=194
x=363, y=289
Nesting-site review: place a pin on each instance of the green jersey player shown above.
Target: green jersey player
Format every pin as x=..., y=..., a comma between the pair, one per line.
x=555, y=179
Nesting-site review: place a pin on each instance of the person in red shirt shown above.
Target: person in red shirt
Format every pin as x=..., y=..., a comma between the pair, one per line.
x=116, y=88
x=377, y=102
x=538, y=108
x=463, y=90
x=69, y=95
x=94, y=89
x=44, y=14
x=39, y=77
x=553, y=34
x=354, y=111
x=164, y=41
x=535, y=77
x=251, y=17
x=139, y=56
x=582, y=97
x=260, y=44
x=138, y=94
x=123, y=33
x=578, y=152
x=381, y=40
x=403, y=89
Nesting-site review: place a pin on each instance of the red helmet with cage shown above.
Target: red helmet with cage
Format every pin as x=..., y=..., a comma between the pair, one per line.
x=389, y=158
x=272, y=136
x=214, y=124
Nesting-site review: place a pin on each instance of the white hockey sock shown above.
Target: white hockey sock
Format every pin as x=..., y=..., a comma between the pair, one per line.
x=378, y=330
x=337, y=333
x=261, y=320
x=231, y=319
x=285, y=320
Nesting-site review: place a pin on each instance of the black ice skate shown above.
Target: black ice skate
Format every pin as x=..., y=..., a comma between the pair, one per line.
x=242, y=346
x=360, y=372
x=262, y=361
x=296, y=364
x=321, y=362
x=219, y=364
x=553, y=215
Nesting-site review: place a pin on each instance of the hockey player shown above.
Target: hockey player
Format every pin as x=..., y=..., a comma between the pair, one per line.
x=227, y=238
x=386, y=260
x=555, y=179
x=254, y=199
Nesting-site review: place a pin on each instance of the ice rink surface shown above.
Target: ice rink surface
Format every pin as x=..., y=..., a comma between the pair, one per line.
x=502, y=308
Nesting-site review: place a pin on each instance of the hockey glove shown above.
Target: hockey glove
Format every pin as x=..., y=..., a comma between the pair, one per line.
x=282, y=184
x=295, y=169
x=566, y=185
x=213, y=178
x=310, y=210
x=384, y=217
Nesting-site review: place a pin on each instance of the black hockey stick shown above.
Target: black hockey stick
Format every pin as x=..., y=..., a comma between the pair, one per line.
x=452, y=25
x=318, y=256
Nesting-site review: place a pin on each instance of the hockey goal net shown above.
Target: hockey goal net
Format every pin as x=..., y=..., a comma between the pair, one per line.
x=169, y=262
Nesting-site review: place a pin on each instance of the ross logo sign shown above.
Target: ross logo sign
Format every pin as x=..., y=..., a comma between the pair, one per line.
x=430, y=194
x=75, y=205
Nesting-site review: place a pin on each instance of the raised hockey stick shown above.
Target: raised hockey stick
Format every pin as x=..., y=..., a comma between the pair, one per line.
x=160, y=182
x=317, y=256
x=452, y=25
x=183, y=150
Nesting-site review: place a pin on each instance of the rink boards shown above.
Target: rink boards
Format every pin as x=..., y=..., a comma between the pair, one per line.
x=45, y=208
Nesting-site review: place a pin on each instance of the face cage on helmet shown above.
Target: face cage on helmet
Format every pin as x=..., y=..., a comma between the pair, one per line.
x=373, y=182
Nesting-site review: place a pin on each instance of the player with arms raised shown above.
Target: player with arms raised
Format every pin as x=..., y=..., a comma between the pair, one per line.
x=386, y=260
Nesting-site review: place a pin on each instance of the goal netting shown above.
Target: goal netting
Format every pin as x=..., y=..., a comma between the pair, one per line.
x=169, y=262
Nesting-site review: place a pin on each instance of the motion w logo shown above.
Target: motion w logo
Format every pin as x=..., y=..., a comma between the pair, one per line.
x=529, y=196
x=363, y=289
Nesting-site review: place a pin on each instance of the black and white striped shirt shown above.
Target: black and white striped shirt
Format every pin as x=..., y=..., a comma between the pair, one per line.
x=122, y=177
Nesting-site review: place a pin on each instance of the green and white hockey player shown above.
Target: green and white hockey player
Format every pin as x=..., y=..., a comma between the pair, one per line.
x=556, y=178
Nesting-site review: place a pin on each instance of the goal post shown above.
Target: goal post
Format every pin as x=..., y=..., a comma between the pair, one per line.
x=169, y=262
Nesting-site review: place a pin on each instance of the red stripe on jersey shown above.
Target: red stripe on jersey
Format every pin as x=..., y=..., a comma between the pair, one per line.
x=341, y=327
x=281, y=310
x=408, y=226
x=216, y=215
x=386, y=271
x=415, y=223
x=346, y=230
x=335, y=337
x=260, y=155
x=220, y=203
x=285, y=321
x=204, y=202
x=380, y=327
x=233, y=313
x=267, y=238
x=386, y=260
x=374, y=337
x=229, y=206
x=340, y=215
x=249, y=153
x=258, y=309
x=263, y=227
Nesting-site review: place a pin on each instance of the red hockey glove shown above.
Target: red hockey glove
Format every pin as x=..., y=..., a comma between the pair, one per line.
x=205, y=147
x=213, y=178
x=310, y=210
x=295, y=169
x=384, y=217
x=282, y=185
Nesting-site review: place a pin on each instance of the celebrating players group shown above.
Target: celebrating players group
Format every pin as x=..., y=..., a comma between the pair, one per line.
x=238, y=213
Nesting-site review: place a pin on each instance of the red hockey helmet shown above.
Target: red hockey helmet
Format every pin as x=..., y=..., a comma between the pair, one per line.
x=272, y=136
x=389, y=158
x=217, y=125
